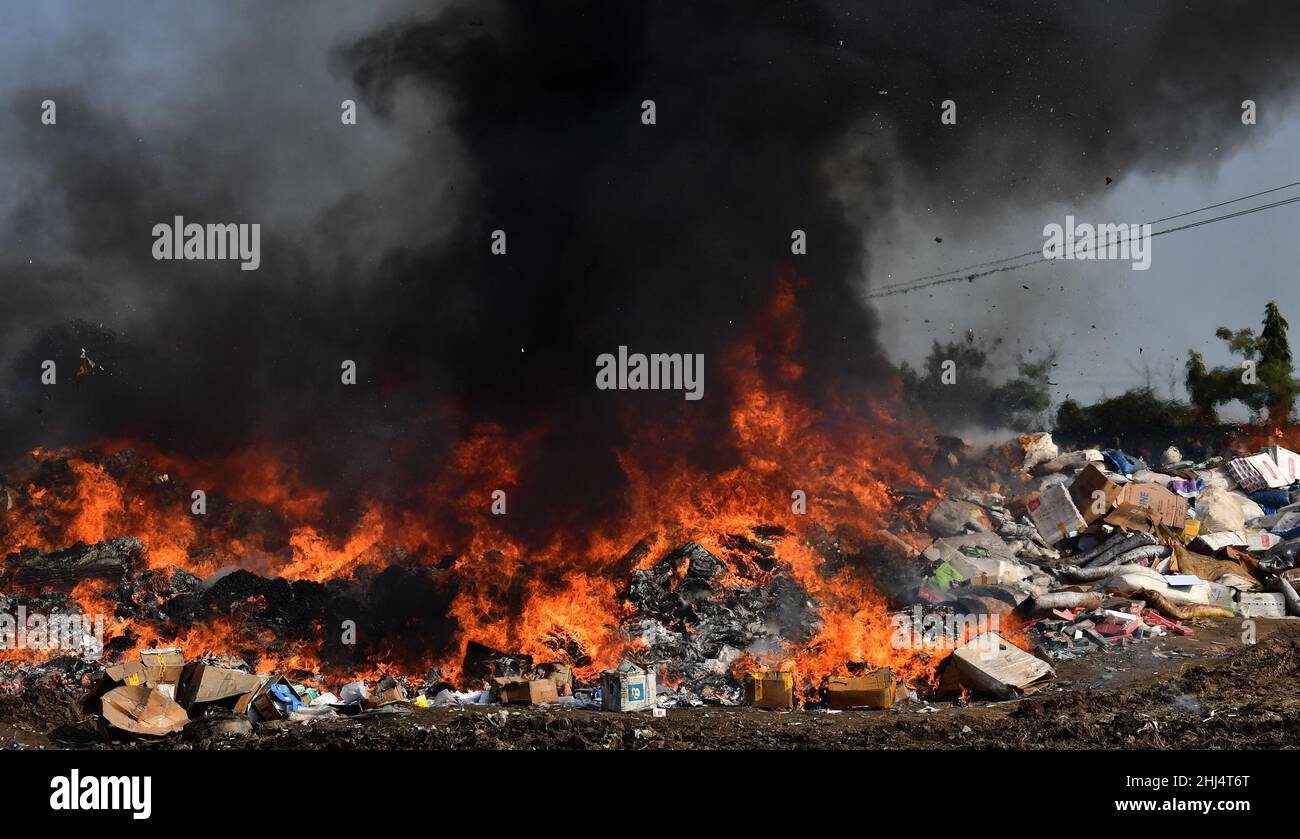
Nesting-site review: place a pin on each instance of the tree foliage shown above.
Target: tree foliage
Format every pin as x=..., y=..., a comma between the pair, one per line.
x=1263, y=381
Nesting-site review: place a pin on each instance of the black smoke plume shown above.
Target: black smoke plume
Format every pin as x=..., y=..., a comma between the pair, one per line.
x=771, y=116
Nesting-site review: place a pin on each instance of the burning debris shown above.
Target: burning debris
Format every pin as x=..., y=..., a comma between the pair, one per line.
x=1033, y=556
x=696, y=615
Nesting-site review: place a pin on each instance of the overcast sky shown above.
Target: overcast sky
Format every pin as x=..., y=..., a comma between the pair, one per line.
x=1221, y=274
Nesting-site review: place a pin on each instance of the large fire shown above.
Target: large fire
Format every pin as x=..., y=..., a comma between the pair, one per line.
x=849, y=461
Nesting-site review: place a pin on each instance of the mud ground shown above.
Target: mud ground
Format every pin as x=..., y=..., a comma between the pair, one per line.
x=1210, y=691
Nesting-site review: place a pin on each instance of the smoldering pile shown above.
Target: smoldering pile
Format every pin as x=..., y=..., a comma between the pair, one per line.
x=696, y=615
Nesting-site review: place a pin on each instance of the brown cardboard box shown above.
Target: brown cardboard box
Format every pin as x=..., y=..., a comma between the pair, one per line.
x=769, y=690
x=562, y=675
x=142, y=710
x=528, y=692
x=205, y=683
x=1089, y=481
x=1054, y=514
x=163, y=666
x=131, y=673
x=988, y=664
x=875, y=690
x=1142, y=506
x=389, y=690
x=160, y=669
x=260, y=700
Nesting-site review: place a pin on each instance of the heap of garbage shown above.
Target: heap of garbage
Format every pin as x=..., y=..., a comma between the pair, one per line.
x=1037, y=555
x=1107, y=549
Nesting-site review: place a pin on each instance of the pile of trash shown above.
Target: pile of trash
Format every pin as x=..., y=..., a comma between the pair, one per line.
x=161, y=693
x=695, y=617
x=1035, y=555
x=1108, y=549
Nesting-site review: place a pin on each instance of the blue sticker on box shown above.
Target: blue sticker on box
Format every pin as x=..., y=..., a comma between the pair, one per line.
x=635, y=693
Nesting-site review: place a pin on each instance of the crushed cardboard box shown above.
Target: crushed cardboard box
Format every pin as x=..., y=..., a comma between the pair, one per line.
x=202, y=683
x=1054, y=514
x=1093, y=493
x=992, y=665
x=138, y=709
x=162, y=670
x=1261, y=604
x=1144, y=506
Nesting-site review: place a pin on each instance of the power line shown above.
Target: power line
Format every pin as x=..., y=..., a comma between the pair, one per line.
x=977, y=275
x=898, y=287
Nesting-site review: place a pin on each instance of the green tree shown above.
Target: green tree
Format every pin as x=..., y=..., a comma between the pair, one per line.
x=1263, y=382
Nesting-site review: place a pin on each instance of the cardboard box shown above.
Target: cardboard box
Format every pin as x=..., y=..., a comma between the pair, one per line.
x=258, y=704
x=770, y=689
x=1083, y=491
x=1268, y=470
x=990, y=664
x=529, y=692
x=1261, y=540
x=1263, y=604
x=562, y=675
x=1246, y=476
x=389, y=690
x=1142, y=506
x=138, y=709
x=875, y=690
x=206, y=683
x=1288, y=462
x=162, y=671
x=1054, y=514
x=163, y=666
x=1221, y=595
x=627, y=688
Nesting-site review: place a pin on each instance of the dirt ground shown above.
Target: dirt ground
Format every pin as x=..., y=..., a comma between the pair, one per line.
x=1209, y=691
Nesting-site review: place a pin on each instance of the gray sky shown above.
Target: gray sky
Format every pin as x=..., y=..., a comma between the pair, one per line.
x=1218, y=275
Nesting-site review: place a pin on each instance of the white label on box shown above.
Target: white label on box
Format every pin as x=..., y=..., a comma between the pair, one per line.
x=1261, y=541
